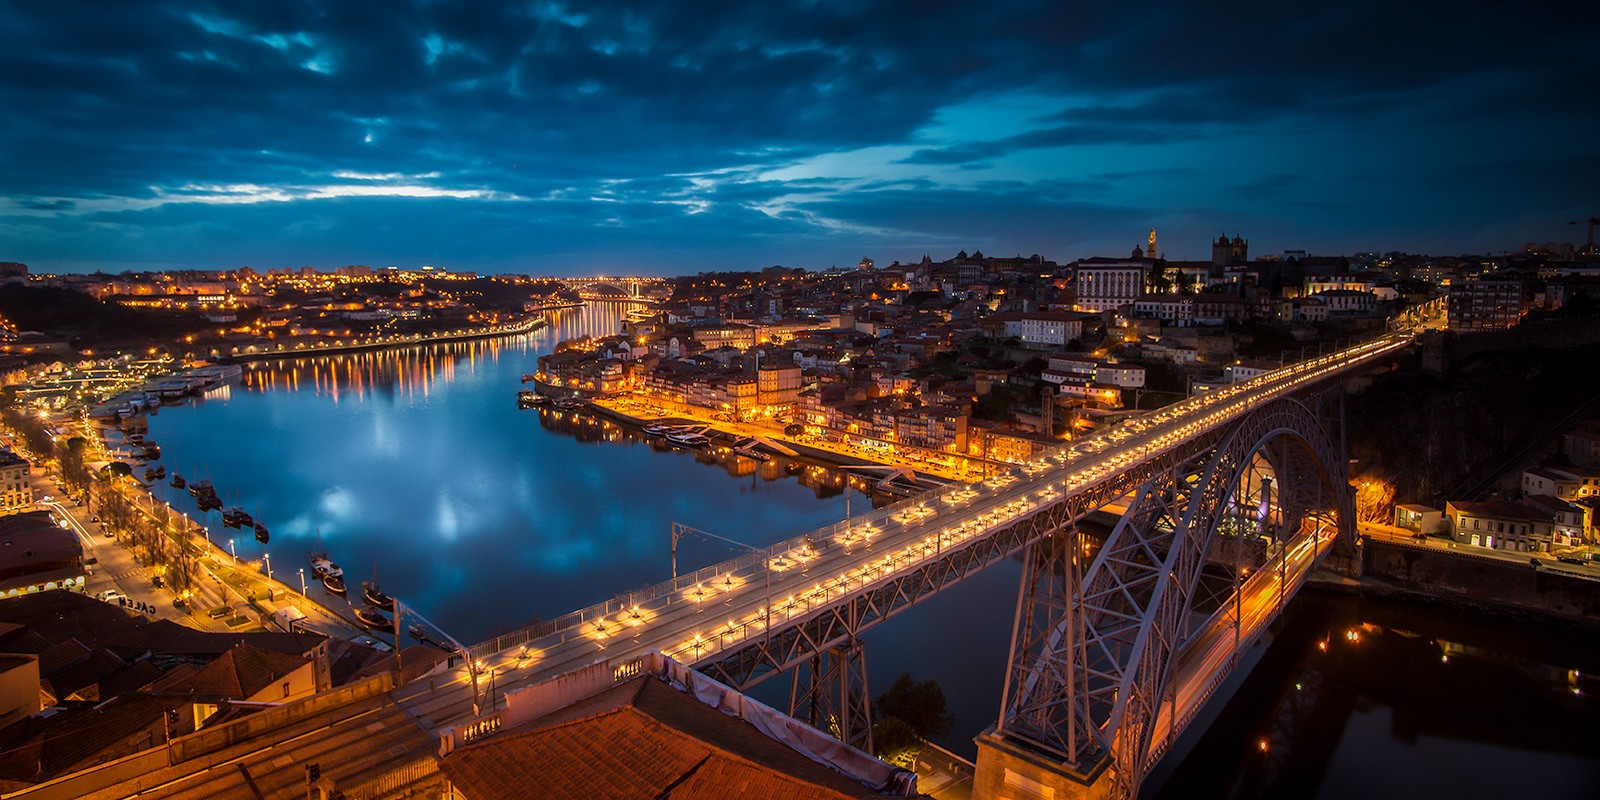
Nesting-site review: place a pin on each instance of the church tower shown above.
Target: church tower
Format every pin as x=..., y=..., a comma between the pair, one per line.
x=1150, y=251
x=1226, y=252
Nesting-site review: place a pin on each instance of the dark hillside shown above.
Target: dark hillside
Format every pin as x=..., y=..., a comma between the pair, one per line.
x=89, y=322
x=1435, y=437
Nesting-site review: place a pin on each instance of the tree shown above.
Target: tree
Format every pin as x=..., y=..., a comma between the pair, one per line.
x=1374, y=500
x=1157, y=280
x=920, y=704
x=1186, y=283
x=895, y=742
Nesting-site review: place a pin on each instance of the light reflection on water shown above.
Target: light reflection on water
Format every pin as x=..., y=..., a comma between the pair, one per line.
x=415, y=465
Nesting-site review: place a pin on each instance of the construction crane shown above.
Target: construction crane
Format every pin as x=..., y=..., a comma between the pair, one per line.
x=1588, y=249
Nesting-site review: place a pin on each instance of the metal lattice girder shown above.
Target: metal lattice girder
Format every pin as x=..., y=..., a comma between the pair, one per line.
x=830, y=693
x=1091, y=682
x=794, y=640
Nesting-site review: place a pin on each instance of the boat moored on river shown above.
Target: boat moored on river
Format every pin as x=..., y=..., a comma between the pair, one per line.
x=373, y=619
x=375, y=596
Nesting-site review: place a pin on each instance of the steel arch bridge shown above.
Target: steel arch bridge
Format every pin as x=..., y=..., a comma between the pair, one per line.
x=1095, y=672
x=1112, y=653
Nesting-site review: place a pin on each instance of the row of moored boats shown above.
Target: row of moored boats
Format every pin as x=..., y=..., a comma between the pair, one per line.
x=206, y=499
x=529, y=398
x=372, y=615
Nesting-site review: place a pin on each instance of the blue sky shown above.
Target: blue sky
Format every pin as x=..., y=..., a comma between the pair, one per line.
x=661, y=138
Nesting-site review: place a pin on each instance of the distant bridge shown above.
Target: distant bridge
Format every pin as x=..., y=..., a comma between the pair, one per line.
x=620, y=288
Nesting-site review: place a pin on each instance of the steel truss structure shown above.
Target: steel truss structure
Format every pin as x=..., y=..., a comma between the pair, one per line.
x=1095, y=645
x=830, y=693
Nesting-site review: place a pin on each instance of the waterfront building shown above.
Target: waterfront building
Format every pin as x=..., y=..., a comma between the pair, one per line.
x=1417, y=517
x=1500, y=525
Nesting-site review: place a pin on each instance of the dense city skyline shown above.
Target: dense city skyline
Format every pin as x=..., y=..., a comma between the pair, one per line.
x=601, y=138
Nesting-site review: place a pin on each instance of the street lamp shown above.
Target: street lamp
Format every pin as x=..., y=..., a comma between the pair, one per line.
x=302, y=581
x=234, y=552
x=267, y=557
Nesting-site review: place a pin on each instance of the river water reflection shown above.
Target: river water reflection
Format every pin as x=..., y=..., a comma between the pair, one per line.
x=1376, y=698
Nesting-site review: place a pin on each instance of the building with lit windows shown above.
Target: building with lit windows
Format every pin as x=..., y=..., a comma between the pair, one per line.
x=1487, y=303
x=1106, y=284
x=37, y=555
x=1499, y=525
x=16, y=482
x=1036, y=328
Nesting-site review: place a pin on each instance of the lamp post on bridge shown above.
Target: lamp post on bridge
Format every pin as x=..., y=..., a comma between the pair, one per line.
x=679, y=530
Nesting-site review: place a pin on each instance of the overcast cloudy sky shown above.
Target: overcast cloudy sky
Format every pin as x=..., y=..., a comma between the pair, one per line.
x=667, y=137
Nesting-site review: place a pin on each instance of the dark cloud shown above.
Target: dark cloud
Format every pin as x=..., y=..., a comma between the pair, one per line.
x=671, y=115
x=1063, y=136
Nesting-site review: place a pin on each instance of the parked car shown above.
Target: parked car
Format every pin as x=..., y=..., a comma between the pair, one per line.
x=219, y=612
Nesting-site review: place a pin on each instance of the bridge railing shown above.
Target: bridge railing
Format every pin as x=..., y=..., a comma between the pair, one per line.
x=1066, y=459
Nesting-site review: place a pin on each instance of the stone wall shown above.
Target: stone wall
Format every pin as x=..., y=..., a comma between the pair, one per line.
x=1441, y=349
x=1482, y=578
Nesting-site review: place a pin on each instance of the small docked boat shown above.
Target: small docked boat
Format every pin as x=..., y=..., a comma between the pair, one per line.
x=322, y=565
x=419, y=633
x=752, y=454
x=334, y=584
x=659, y=430
x=528, y=398
x=569, y=404
x=262, y=535
x=177, y=481
x=528, y=378
x=688, y=439
x=373, y=619
x=375, y=596
x=237, y=517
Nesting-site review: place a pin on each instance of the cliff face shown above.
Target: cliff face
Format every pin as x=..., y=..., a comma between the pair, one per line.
x=1433, y=436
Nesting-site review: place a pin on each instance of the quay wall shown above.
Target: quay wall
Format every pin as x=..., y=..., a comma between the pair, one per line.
x=1481, y=579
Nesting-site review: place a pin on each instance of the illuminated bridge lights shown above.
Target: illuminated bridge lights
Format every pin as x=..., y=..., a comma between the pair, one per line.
x=918, y=532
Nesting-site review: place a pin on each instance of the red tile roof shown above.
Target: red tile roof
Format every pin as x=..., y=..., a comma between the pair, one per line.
x=237, y=674
x=641, y=739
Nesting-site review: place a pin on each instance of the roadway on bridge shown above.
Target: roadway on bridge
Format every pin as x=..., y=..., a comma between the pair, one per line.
x=699, y=622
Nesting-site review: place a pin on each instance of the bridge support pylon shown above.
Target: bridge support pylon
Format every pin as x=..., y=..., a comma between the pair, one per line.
x=1008, y=768
x=1115, y=649
x=830, y=693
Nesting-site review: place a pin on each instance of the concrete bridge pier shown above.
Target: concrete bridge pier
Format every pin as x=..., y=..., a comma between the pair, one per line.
x=1011, y=770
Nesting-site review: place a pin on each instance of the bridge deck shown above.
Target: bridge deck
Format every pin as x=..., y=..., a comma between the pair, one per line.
x=723, y=610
